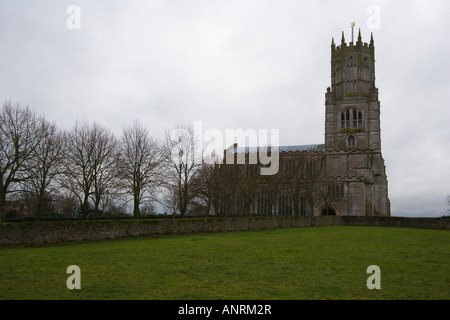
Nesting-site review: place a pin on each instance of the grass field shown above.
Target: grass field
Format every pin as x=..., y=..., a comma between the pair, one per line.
x=305, y=263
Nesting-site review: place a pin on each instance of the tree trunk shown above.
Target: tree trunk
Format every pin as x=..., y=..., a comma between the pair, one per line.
x=85, y=207
x=96, y=205
x=2, y=207
x=295, y=202
x=136, y=210
x=39, y=205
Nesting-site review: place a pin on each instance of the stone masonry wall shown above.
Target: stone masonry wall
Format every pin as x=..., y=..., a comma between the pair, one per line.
x=42, y=233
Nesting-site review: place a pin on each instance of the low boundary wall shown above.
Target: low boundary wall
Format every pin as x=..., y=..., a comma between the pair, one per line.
x=48, y=232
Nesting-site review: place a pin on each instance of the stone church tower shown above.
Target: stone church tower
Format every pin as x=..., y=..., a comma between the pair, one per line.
x=344, y=176
x=352, y=130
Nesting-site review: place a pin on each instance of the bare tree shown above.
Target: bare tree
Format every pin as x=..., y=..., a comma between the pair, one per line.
x=65, y=203
x=105, y=165
x=78, y=173
x=44, y=164
x=18, y=140
x=89, y=163
x=181, y=164
x=113, y=198
x=311, y=180
x=140, y=165
x=249, y=185
x=323, y=196
x=207, y=186
x=229, y=177
x=169, y=200
x=297, y=178
x=271, y=186
x=301, y=177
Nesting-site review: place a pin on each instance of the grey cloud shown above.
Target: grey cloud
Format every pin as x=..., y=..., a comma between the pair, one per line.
x=238, y=64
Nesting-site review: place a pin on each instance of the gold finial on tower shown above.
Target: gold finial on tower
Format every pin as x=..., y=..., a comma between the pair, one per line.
x=352, y=25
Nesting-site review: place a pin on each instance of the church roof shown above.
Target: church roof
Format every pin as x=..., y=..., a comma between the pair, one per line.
x=296, y=148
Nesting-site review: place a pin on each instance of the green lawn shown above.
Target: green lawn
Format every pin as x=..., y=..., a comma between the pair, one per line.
x=305, y=263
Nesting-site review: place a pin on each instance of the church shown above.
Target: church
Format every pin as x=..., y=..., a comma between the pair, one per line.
x=344, y=176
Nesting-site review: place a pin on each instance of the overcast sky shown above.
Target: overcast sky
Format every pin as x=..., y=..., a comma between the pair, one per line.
x=262, y=64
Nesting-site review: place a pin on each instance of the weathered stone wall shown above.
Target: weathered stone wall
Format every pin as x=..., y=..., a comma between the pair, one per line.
x=32, y=233
x=428, y=223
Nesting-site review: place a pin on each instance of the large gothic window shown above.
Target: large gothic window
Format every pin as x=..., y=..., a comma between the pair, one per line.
x=284, y=204
x=365, y=69
x=351, y=62
x=240, y=203
x=351, y=75
x=261, y=204
x=351, y=118
x=365, y=75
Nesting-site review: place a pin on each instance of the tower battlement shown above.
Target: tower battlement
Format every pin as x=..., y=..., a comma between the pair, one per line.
x=351, y=46
x=352, y=69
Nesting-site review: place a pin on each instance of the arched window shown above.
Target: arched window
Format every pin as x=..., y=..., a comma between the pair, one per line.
x=351, y=75
x=261, y=204
x=365, y=64
x=328, y=211
x=365, y=75
x=240, y=203
x=284, y=204
x=351, y=141
x=351, y=62
x=351, y=118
